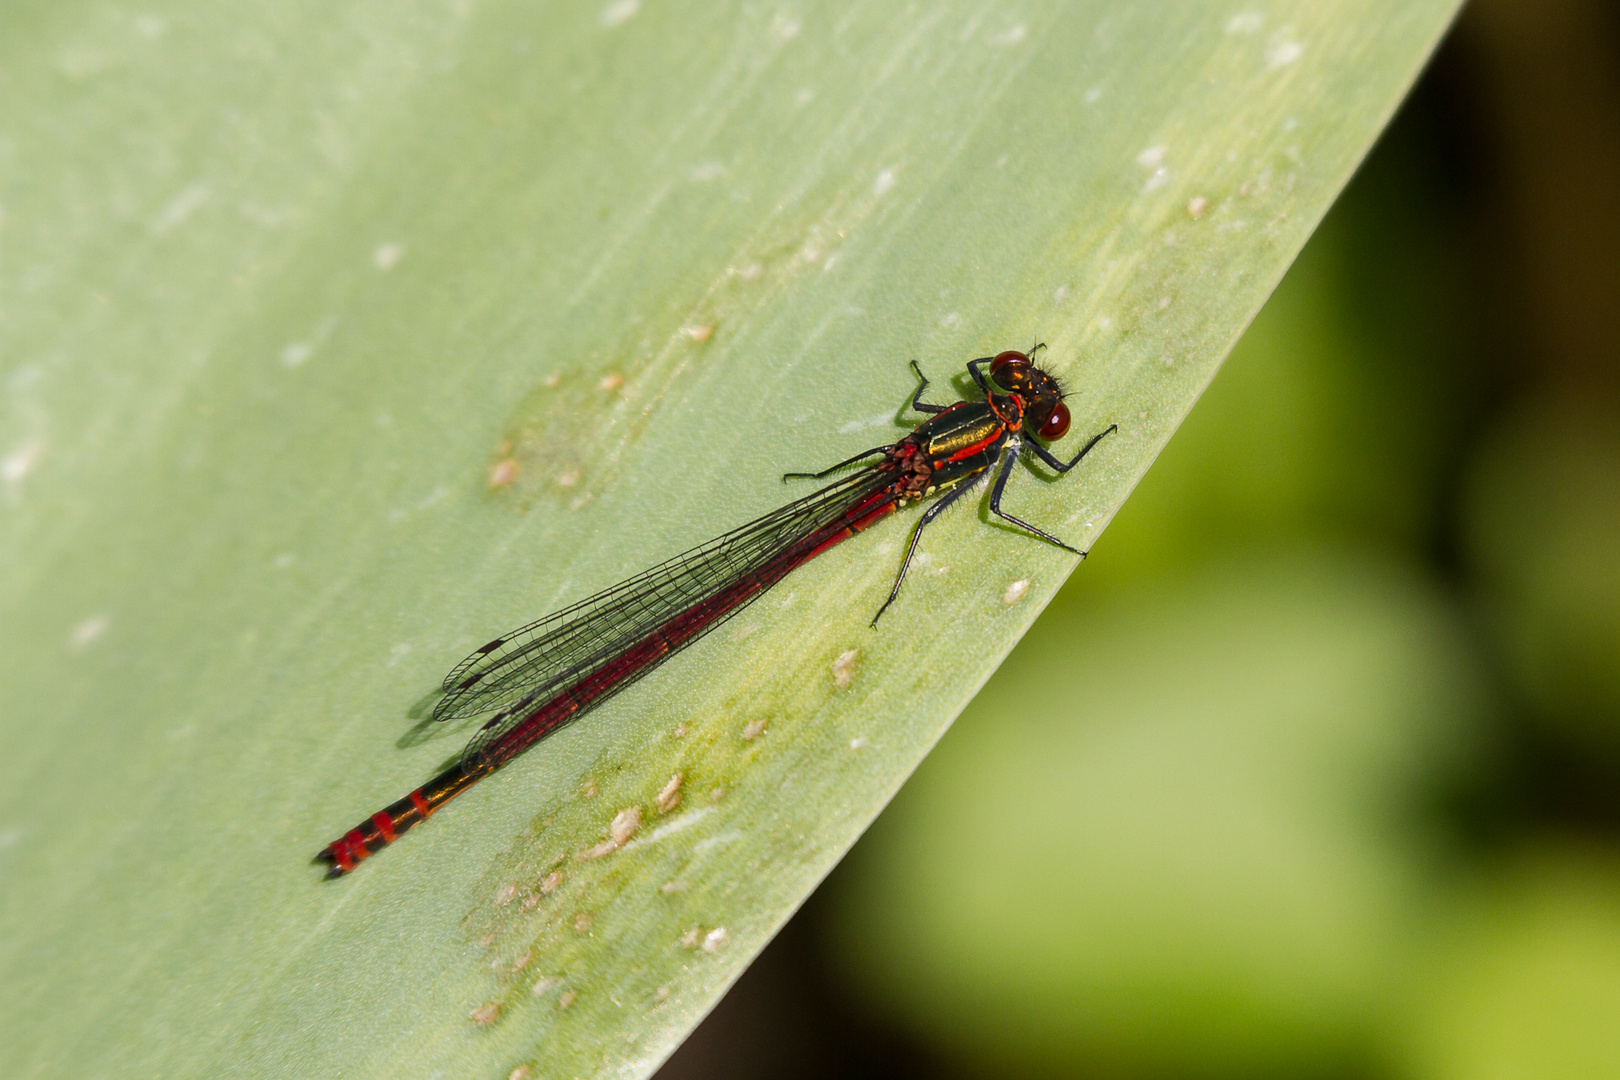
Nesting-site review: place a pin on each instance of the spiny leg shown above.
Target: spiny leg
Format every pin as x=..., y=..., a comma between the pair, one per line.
x=905, y=564
x=1008, y=458
x=829, y=470
x=978, y=376
x=916, y=399
x=1047, y=456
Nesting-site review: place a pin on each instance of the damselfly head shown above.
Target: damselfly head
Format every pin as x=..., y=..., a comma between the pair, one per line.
x=1044, y=411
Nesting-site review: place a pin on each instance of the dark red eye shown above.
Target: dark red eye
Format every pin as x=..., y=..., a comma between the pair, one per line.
x=1006, y=360
x=1056, y=425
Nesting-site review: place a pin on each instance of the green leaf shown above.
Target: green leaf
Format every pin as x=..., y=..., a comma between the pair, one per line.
x=336, y=341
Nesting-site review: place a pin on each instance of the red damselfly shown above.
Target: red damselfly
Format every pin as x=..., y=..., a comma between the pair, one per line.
x=544, y=675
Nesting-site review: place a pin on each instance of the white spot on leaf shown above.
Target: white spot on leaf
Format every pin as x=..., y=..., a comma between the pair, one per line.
x=670, y=797
x=179, y=208
x=387, y=255
x=89, y=630
x=619, y=11
x=1245, y=22
x=1282, y=52
x=843, y=668
x=503, y=472
x=21, y=461
x=624, y=824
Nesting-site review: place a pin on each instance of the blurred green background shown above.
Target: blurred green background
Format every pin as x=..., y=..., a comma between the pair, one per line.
x=1314, y=769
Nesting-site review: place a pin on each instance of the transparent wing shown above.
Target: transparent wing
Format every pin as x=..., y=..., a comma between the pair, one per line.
x=521, y=668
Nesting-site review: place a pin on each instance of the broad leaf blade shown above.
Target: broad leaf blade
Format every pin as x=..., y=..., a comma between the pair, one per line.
x=334, y=347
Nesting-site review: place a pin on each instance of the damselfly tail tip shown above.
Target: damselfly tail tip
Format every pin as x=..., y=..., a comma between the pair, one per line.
x=332, y=861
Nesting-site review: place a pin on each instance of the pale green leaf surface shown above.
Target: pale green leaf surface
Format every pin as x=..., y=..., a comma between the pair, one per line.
x=281, y=288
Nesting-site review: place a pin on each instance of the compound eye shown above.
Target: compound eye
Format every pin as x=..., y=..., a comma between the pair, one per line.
x=1006, y=360
x=1057, y=425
